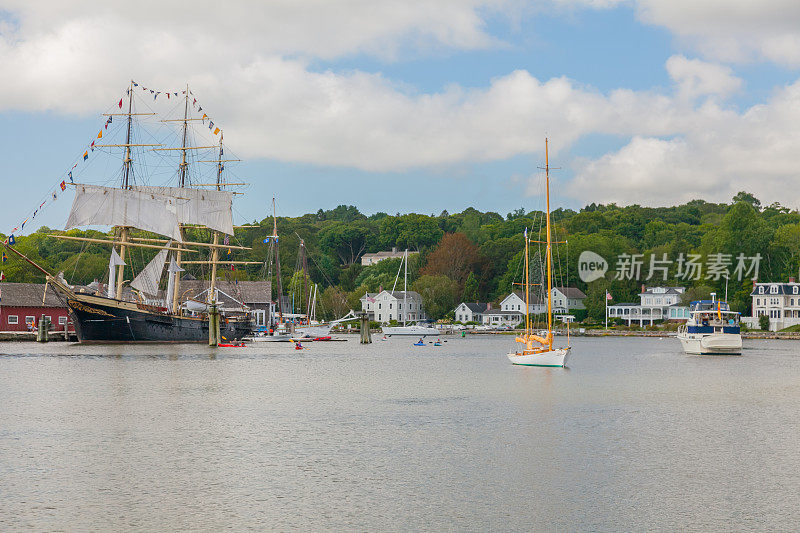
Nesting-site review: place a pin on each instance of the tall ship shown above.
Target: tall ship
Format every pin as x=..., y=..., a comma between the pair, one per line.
x=538, y=349
x=167, y=218
x=712, y=329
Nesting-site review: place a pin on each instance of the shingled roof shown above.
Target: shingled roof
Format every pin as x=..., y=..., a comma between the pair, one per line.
x=28, y=295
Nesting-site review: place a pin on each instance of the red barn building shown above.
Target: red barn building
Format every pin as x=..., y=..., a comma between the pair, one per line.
x=21, y=307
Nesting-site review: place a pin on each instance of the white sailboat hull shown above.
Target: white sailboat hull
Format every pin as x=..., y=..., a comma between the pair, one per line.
x=271, y=338
x=413, y=331
x=555, y=357
x=323, y=330
x=711, y=344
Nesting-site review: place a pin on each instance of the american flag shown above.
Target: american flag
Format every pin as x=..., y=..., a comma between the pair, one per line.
x=227, y=240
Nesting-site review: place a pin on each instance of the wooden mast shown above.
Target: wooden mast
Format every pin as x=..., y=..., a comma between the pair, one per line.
x=212, y=294
x=549, y=249
x=277, y=262
x=181, y=183
x=527, y=291
x=126, y=171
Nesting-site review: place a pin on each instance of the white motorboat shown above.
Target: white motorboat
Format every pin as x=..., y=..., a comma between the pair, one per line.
x=712, y=329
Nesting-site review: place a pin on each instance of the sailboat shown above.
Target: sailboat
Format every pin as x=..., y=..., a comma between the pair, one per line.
x=414, y=329
x=138, y=314
x=275, y=330
x=538, y=349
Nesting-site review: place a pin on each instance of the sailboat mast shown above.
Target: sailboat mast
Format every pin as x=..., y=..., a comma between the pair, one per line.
x=277, y=262
x=527, y=288
x=126, y=171
x=405, y=288
x=549, y=248
x=181, y=183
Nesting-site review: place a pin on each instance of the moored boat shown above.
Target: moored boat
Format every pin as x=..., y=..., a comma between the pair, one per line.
x=712, y=329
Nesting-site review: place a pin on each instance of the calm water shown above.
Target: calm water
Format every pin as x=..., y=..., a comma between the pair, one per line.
x=633, y=436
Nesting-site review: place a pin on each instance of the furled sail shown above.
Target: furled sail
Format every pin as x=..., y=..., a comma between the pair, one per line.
x=212, y=209
x=113, y=263
x=148, y=279
x=109, y=206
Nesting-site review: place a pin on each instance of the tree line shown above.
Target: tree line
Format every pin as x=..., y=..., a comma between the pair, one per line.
x=474, y=255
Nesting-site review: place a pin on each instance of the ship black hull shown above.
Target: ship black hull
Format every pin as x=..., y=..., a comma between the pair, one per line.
x=96, y=321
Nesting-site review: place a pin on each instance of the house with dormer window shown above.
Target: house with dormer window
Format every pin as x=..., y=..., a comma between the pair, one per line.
x=778, y=301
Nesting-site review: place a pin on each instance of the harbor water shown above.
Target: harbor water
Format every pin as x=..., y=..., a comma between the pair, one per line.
x=634, y=435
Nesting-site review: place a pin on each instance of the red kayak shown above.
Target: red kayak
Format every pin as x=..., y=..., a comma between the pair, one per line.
x=227, y=345
x=323, y=338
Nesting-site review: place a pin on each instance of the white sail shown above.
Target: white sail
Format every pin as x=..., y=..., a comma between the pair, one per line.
x=109, y=206
x=114, y=261
x=212, y=209
x=148, y=279
x=173, y=270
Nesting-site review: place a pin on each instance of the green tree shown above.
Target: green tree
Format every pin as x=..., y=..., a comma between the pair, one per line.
x=470, y=293
x=438, y=295
x=763, y=322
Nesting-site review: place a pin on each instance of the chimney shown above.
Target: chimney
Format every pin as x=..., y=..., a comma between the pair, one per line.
x=489, y=306
x=643, y=288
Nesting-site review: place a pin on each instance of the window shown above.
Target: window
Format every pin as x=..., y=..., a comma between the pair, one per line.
x=390, y=306
x=773, y=289
x=379, y=306
x=795, y=289
x=760, y=289
x=13, y=319
x=30, y=319
x=62, y=320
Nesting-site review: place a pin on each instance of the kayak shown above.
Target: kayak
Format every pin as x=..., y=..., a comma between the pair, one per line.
x=323, y=338
x=418, y=344
x=228, y=345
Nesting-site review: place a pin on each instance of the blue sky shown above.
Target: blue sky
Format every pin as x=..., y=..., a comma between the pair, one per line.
x=406, y=107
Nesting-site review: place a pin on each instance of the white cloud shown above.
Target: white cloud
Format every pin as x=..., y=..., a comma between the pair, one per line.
x=718, y=153
x=731, y=30
x=698, y=78
x=253, y=70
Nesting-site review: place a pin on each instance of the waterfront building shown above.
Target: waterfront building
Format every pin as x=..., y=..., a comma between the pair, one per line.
x=567, y=299
x=22, y=306
x=386, y=306
x=655, y=304
x=778, y=301
x=471, y=311
x=515, y=302
x=371, y=259
x=235, y=297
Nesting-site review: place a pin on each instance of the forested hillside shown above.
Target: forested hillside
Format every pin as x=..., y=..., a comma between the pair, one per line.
x=475, y=255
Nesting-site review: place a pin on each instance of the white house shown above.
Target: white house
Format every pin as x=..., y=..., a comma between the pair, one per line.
x=655, y=303
x=386, y=306
x=566, y=299
x=471, y=311
x=516, y=302
x=377, y=257
x=497, y=317
x=779, y=301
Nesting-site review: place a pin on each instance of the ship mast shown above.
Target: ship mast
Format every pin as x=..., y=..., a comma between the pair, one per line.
x=212, y=291
x=549, y=250
x=126, y=171
x=181, y=183
x=277, y=262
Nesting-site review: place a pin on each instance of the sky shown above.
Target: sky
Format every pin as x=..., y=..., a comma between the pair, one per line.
x=409, y=106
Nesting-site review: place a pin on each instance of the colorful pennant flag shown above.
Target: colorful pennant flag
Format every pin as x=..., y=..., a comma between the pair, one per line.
x=2, y=278
x=63, y=186
x=55, y=196
x=100, y=134
x=92, y=147
x=86, y=155
x=210, y=125
x=216, y=131
x=11, y=240
x=5, y=257
x=120, y=103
